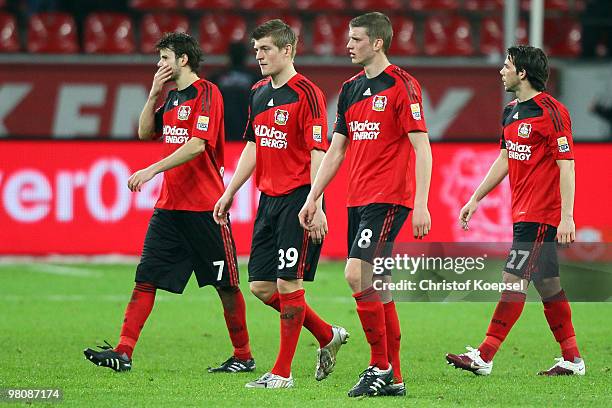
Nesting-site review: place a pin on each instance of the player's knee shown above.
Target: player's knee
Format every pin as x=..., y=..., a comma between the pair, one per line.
x=352, y=276
x=548, y=287
x=510, y=279
x=385, y=296
x=262, y=290
x=289, y=285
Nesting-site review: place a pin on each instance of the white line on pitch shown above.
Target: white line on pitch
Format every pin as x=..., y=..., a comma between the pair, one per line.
x=63, y=270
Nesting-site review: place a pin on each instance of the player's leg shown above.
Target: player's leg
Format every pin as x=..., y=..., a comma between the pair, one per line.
x=300, y=260
x=234, y=312
x=396, y=217
x=520, y=266
x=263, y=259
x=557, y=309
x=507, y=312
x=215, y=264
x=268, y=293
x=292, y=313
x=263, y=264
x=372, y=230
x=165, y=264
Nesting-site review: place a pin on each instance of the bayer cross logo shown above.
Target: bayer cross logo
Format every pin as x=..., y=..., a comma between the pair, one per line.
x=281, y=117
x=379, y=102
x=183, y=112
x=524, y=130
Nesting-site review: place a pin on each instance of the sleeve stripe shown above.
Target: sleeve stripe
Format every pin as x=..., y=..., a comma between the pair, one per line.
x=315, y=99
x=208, y=96
x=412, y=95
x=205, y=101
x=311, y=96
x=554, y=114
x=299, y=85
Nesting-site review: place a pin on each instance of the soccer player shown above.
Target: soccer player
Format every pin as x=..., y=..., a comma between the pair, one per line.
x=380, y=120
x=537, y=154
x=182, y=236
x=286, y=140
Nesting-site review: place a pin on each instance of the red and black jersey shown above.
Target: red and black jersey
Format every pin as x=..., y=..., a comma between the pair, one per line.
x=536, y=133
x=376, y=116
x=286, y=124
x=196, y=111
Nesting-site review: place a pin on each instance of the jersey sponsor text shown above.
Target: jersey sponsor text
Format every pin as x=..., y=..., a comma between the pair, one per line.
x=175, y=131
x=365, y=130
x=518, y=151
x=271, y=137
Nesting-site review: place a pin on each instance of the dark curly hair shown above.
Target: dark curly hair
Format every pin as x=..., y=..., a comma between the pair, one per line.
x=182, y=44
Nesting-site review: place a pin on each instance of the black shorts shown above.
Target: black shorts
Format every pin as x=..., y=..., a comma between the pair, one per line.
x=181, y=242
x=281, y=248
x=372, y=229
x=534, y=251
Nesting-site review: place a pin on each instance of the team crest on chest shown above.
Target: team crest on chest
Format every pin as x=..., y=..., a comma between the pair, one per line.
x=183, y=112
x=524, y=130
x=281, y=117
x=379, y=102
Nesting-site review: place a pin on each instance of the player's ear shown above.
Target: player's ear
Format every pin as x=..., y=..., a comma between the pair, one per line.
x=522, y=74
x=378, y=44
x=183, y=60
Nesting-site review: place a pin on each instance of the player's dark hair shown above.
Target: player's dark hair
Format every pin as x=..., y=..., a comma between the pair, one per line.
x=377, y=26
x=281, y=34
x=533, y=61
x=182, y=44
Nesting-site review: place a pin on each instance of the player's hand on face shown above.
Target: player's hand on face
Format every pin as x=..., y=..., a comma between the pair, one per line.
x=221, y=209
x=307, y=213
x=421, y=222
x=163, y=74
x=466, y=214
x=136, y=180
x=566, y=232
x=318, y=227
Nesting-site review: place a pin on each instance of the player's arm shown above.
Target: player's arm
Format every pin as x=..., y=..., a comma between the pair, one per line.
x=183, y=154
x=318, y=226
x=566, y=232
x=421, y=219
x=496, y=174
x=146, y=122
x=244, y=170
x=327, y=170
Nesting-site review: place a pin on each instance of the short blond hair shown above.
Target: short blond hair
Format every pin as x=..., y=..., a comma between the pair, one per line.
x=281, y=34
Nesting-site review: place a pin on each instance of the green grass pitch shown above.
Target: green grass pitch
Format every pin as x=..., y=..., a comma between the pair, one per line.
x=50, y=313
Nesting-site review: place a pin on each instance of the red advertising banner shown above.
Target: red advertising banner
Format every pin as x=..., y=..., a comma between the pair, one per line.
x=71, y=198
x=88, y=100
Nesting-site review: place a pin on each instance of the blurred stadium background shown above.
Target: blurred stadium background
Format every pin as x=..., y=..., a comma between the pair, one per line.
x=74, y=77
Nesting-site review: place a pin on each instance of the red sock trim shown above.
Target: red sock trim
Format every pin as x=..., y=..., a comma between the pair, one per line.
x=559, y=297
x=274, y=301
x=367, y=295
